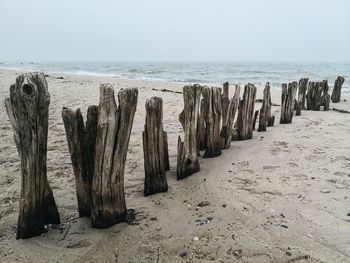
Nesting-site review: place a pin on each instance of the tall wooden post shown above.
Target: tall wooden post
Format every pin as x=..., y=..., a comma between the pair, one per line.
x=28, y=110
x=326, y=98
x=246, y=112
x=155, y=149
x=302, y=93
x=213, y=105
x=288, y=101
x=336, y=94
x=227, y=122
x=313, y=96
x=265, y=111
x=112, y=140
x=187, y=160
x=81, y=143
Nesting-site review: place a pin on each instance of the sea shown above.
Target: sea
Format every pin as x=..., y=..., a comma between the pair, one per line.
x=210, y=73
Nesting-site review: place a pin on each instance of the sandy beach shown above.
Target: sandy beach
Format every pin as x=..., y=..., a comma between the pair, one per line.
x=281, y=197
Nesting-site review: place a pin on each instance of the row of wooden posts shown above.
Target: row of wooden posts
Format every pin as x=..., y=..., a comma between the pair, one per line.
x=98, y=147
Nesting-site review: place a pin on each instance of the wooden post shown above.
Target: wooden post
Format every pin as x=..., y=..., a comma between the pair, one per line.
x=246, y=112
x=81, y=143
x=288, y=101
x=213, y=105
x=155, y=148
x=256, y=113
x=112, y=140
x=201, y=130
x=326, y=98
x=28, y=110
x=337, y=89
x=265, y=111
x=187, y=160
x=313, y=97
x=227, y=123
x=302, y=93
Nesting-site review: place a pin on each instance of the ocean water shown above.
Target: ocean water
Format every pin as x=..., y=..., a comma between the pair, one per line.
x=212, y=73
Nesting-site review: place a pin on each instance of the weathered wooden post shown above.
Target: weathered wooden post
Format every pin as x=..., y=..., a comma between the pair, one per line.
x=288, y=101
x=112, y=140
x=246, y=112
x=302, y=93
x=81, y=143
x=187, y=160
x=201, y=130
x=313, y=96
x=337, y=89
x=212, y=117
x=155, y=148
x=227, y=122
x=27, y=109
x=326, y=98
x=256, y=114
x=265, y=111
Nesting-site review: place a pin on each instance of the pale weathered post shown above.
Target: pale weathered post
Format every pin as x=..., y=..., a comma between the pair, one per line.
x=288, y=102
x=28, y=110
x=155, y=148
x=265, y=111
x=112, y=140
x=81, y=143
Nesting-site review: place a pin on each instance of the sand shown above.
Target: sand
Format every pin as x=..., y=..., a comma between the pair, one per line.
x=281, y=197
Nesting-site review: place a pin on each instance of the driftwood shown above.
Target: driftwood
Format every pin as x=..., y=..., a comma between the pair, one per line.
x=27, y=109
x=246, y=112
x=156, y=159
x=302, y=93
x=288, y=101
x=113, y=134
x=336, y=94
x=313, y=96
x=212, y=118
x=265, y=111
x=81, y=143
x=187, y=160
x=228, y=118
x=326, y=98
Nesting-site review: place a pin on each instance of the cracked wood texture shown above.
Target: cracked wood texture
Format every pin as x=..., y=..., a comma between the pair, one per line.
x=187, y=160
x=288, y=102
x=212, y=118
x=265, y=111
x=112, y=140
x=228, y=117
x=336, y=94
x=155, y=149
x=246, y=113
x=302, y=93
x=27, y=109
x=314, y=95
x=326, y=98
x=81, y=143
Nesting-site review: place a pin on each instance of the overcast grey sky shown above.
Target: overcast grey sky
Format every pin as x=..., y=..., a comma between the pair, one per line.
x=175, y=30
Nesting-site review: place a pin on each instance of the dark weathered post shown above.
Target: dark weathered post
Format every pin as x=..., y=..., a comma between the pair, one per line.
x=227, y=123
x=81, y=143
x=288, y=101
x=302, y=93
x=213, y=106
x=265, y=111
x=246, y=112
x=313, y=96
x=256, y=114
x=155, y=148
x=337, y=89
x=201, y=130
x=326, y=98
x=27, y=109
x=187, y=160
x=112, y=140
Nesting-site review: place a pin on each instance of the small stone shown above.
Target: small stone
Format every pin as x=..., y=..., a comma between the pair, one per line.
x=288, y=253
x=312, y=177
x=204, y=203
x=183, y=254
x=195, y=239
x=284, y=226
x=325, y=191
x=224, y=205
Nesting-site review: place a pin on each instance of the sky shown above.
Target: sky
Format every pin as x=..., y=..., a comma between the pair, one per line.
x=175, y=30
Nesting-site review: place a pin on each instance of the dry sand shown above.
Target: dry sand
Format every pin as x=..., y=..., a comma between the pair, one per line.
x=281, y=197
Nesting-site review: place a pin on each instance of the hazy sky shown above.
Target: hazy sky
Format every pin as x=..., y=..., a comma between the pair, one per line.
x=175, y=30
